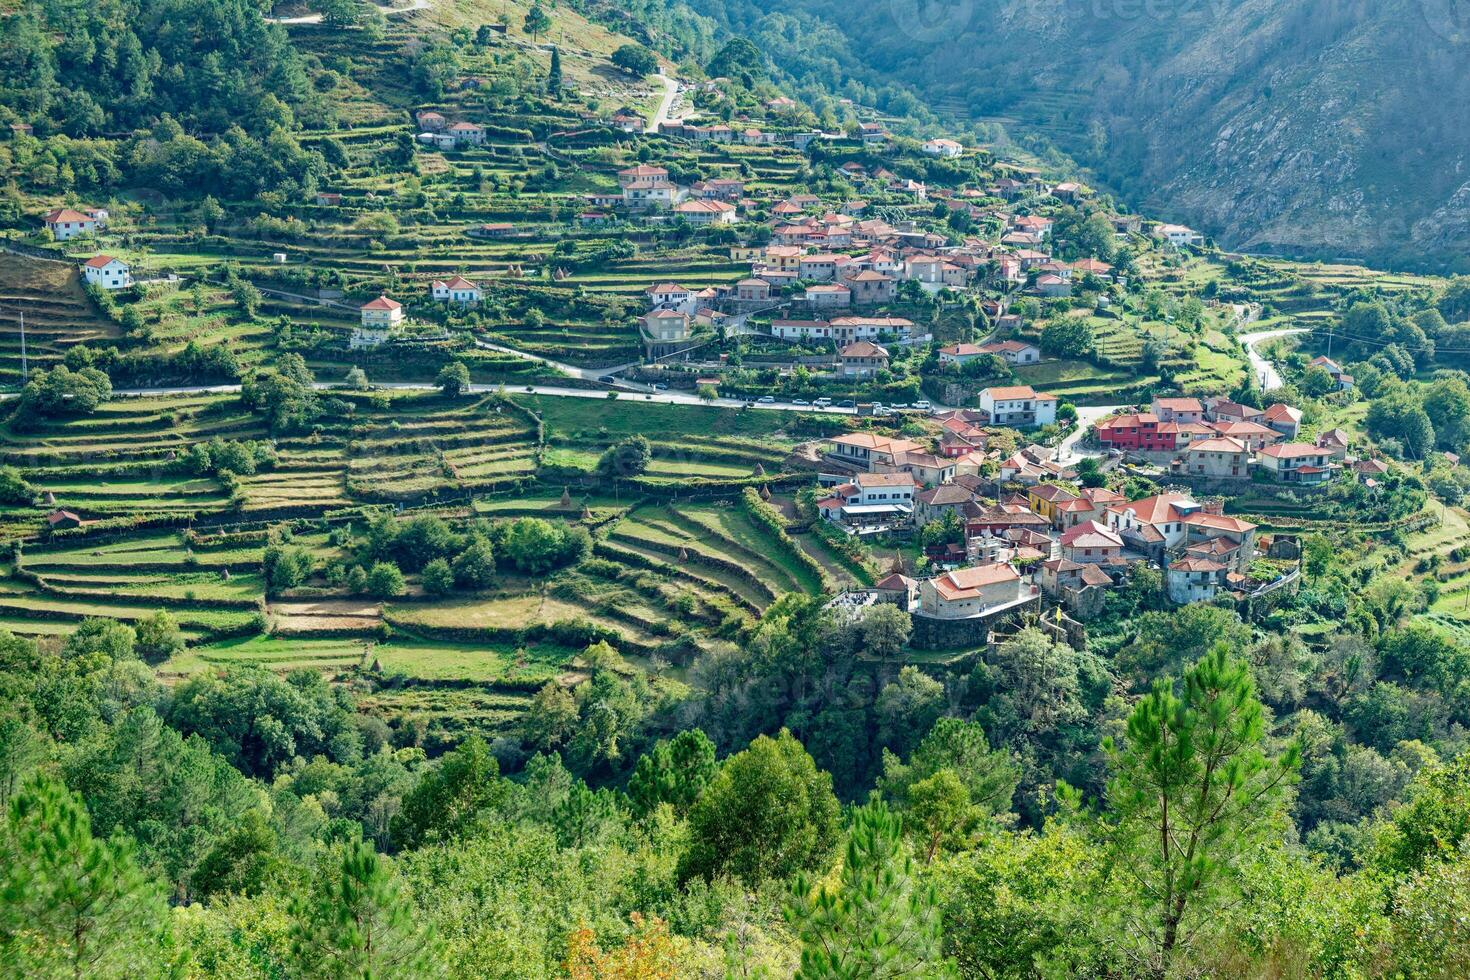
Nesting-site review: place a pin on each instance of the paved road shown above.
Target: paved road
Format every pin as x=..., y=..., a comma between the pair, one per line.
x=555, y=391
x=571, y=371
x=1068, y=450
x=666, y=104
x=317, y=18
x=1265, y=371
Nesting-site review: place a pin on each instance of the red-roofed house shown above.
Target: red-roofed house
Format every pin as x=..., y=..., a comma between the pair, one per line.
x=1298, y=462
x=1081, y=588
x=60, y=520
x=862, y=359
x=1135, y=432
x=1179, y=409
x=1221, y=458
x=106, y=272
x=828, y=296
x=671, y=296
x=1254, y=435
x=706, y=212
x=1284, y=419
x=752, y=290
x=1194, y=579
x=1153, y=523
x=64, y=223
x=643, y=172
x=863, y=449
x=969, y=592
x=1045, y=498
x=1090, y=505
x=869, y=286
x=381, y=313
x=871, y=498
x=455, y=290
x=1091, y=543
x=1013, y=351
x=1018, y=405
x=1342, y=378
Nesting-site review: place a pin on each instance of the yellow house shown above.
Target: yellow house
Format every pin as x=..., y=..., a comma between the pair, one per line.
x=382, y=313
x=1045, y=500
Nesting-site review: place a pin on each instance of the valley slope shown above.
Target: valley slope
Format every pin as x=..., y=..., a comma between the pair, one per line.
x=1324, y=129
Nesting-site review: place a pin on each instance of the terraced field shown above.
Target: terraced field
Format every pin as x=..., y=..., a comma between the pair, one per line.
x=58, y=314
x=123, y=461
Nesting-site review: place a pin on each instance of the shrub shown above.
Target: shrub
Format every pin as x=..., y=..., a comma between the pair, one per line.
x=438, y=578
x=474, y=567
x=285, y=568
x=158, y=637
x=384, y=580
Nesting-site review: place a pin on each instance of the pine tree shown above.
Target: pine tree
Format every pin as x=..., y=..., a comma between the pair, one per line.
x=553, y=77
x=878, y=921
x=355, y=922
x=1193, y=796
x=72, y=905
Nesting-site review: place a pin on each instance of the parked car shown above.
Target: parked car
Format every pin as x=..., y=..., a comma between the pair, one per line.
x=766, y=399
x=800, y=401
x=659, y=386
x=847, y=403
x=823, y=403
x=923, y=405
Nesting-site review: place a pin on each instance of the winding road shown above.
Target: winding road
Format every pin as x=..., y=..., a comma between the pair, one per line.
x=1264, y=370
x=666, y=104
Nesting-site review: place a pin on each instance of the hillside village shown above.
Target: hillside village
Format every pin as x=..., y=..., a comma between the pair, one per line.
x=954, y=323
x=544, y=394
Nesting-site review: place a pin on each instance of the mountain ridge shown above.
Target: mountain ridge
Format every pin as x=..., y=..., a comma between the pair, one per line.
x=1275, y=131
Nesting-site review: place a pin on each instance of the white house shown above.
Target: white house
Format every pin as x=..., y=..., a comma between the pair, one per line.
x=107, y=272
x=1153, y=523
x=457, y=290
x=468, y=132
x=843, y=329
x=943, y=148
x=1298, y=462
x=670, y=296
x=64, y=223
x=644, y=194
x=870, y=498
x=1179, y=235
x=1010, y=351
x=1018, y=405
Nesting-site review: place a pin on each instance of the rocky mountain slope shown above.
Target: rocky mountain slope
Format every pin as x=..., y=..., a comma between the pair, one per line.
x=1328, y=127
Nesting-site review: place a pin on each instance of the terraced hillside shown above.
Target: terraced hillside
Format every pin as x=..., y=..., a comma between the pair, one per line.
x=56, y=311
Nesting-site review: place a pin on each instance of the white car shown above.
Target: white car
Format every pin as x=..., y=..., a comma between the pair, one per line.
x=923, y=405
x=823, y=403
x=800, y=401
x=766, y=400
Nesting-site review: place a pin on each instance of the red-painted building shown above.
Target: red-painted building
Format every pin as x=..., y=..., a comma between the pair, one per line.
x=1138, y=432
